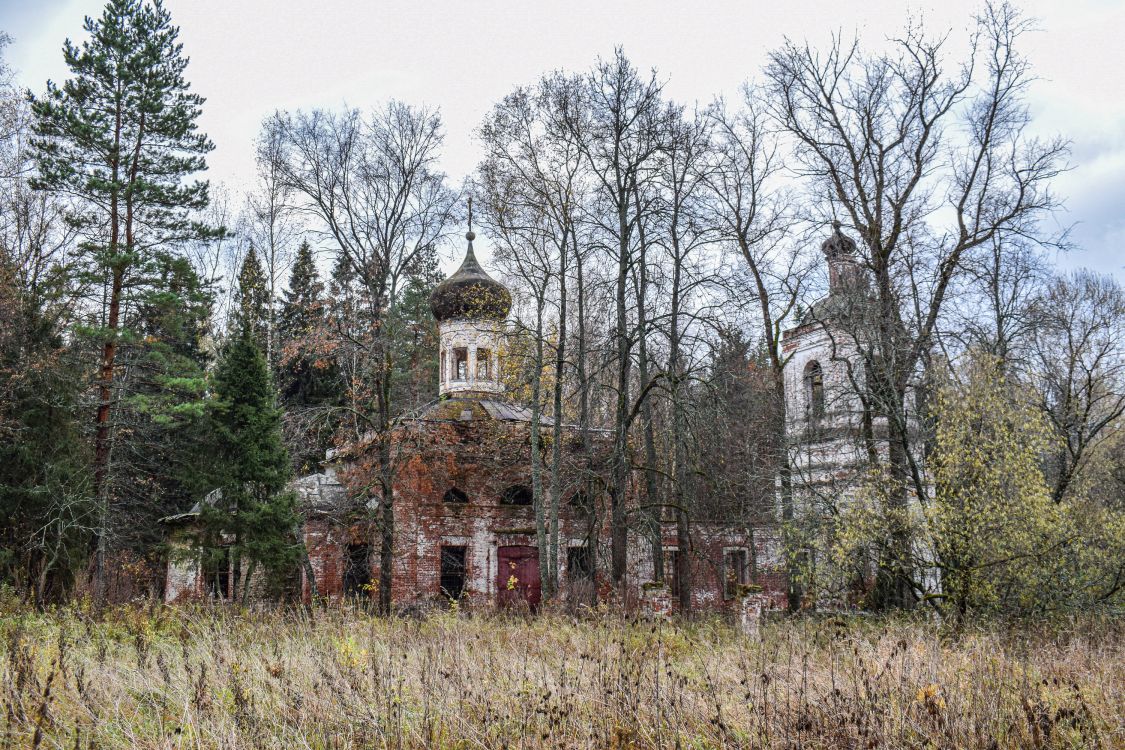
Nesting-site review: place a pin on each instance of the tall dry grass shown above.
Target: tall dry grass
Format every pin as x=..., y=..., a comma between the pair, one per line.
x=157, y=677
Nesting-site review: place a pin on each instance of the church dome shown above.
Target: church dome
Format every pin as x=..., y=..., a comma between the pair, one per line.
x=470, y=293
x=839, y=245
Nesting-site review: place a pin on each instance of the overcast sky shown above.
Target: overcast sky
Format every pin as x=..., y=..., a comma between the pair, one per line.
x=250, y=57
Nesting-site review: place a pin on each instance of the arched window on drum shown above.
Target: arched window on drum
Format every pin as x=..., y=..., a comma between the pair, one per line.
x=814, y=391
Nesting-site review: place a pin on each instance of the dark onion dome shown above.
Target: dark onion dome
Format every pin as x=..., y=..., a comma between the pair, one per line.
x=470, y=293
x=838, y=246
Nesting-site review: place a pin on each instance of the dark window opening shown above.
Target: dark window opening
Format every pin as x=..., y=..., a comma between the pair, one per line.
x=452, y=572
x=671, y=572
x=441, y=360
x=484, y=364
x=357, y=571
x=579, y=563
x=517, y=494
x=814, y=390
x=455, y=495
x=582, y=503
x=736, y=571
x=216, y=573
x=461, y=363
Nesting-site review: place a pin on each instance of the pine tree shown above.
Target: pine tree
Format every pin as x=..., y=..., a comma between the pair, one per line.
x=120, y=136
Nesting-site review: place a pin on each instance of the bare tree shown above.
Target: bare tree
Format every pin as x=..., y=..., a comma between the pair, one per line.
x=372, y=187
x=1079, y=368
x=618, y=135
x=687, y=308
x=929, y=167
x=534, y=173
x=996, y=309
x=751, y=217
x=270, y=226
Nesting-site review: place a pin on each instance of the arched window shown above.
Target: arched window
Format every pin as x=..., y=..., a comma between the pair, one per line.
x=814, y=390
x=517, y=494
x=460, y=363
x=441, y=364
x=455, y=495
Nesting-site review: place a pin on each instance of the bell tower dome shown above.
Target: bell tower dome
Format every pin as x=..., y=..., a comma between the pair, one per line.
x=470, y=307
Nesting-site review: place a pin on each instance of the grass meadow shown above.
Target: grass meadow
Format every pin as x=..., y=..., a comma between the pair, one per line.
x=149, y=676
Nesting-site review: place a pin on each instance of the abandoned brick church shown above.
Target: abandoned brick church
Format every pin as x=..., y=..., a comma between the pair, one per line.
x=464, y=521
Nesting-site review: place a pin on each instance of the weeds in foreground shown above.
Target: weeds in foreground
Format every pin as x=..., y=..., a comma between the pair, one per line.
x=157, y=677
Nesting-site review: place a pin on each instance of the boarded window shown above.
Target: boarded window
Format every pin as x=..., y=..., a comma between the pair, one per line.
x=814, y=390
x=452, y=572
x=357, y=570
x=517, y=494
x=736, y=571
x=460, y=363
x=484, y=364
x=455, y=495
x=671, y=572
x=579, y=563
x=216, y=573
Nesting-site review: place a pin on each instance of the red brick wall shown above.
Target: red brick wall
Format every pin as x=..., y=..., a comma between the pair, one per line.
x=482, y=458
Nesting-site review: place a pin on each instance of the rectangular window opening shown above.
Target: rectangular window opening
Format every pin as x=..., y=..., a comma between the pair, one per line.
x=579, y=563
x=357, y=571
x=216, y=574
x=452, y=572
x=671, y=560
x=484, y=364
x=736, y=571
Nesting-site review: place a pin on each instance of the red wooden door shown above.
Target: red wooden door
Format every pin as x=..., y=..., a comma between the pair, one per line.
x=517, y=576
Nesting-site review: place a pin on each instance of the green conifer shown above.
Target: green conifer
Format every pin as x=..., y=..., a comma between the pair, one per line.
x=308, y=378
x=120, y=137
x=251, y=468
x=252, y=312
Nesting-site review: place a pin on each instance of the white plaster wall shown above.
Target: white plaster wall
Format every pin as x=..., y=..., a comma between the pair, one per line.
x=182, y=577
x=825, y=459
x=473, y=335
x=841, y=404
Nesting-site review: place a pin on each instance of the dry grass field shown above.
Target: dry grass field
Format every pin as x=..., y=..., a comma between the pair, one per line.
x=156, y=677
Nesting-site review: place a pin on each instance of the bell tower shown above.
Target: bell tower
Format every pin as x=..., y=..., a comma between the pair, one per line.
x=470, y=307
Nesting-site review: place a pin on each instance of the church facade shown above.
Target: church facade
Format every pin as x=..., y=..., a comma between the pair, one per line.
x=465, y=526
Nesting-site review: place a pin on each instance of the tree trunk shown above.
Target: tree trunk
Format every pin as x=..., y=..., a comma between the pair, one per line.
x=557, y=428
x=651, y=515
x=537, y=456
x=618, y=518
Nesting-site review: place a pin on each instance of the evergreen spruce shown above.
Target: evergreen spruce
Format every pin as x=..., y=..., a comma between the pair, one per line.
x=251, y=516
x=252, y=507
x=413, y=335
x=163, y=407
x=309, y=380
x=301, y=378
x=252, y=313
x=46, y=509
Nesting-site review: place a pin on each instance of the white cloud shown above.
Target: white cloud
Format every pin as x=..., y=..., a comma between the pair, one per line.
x=252, y=56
